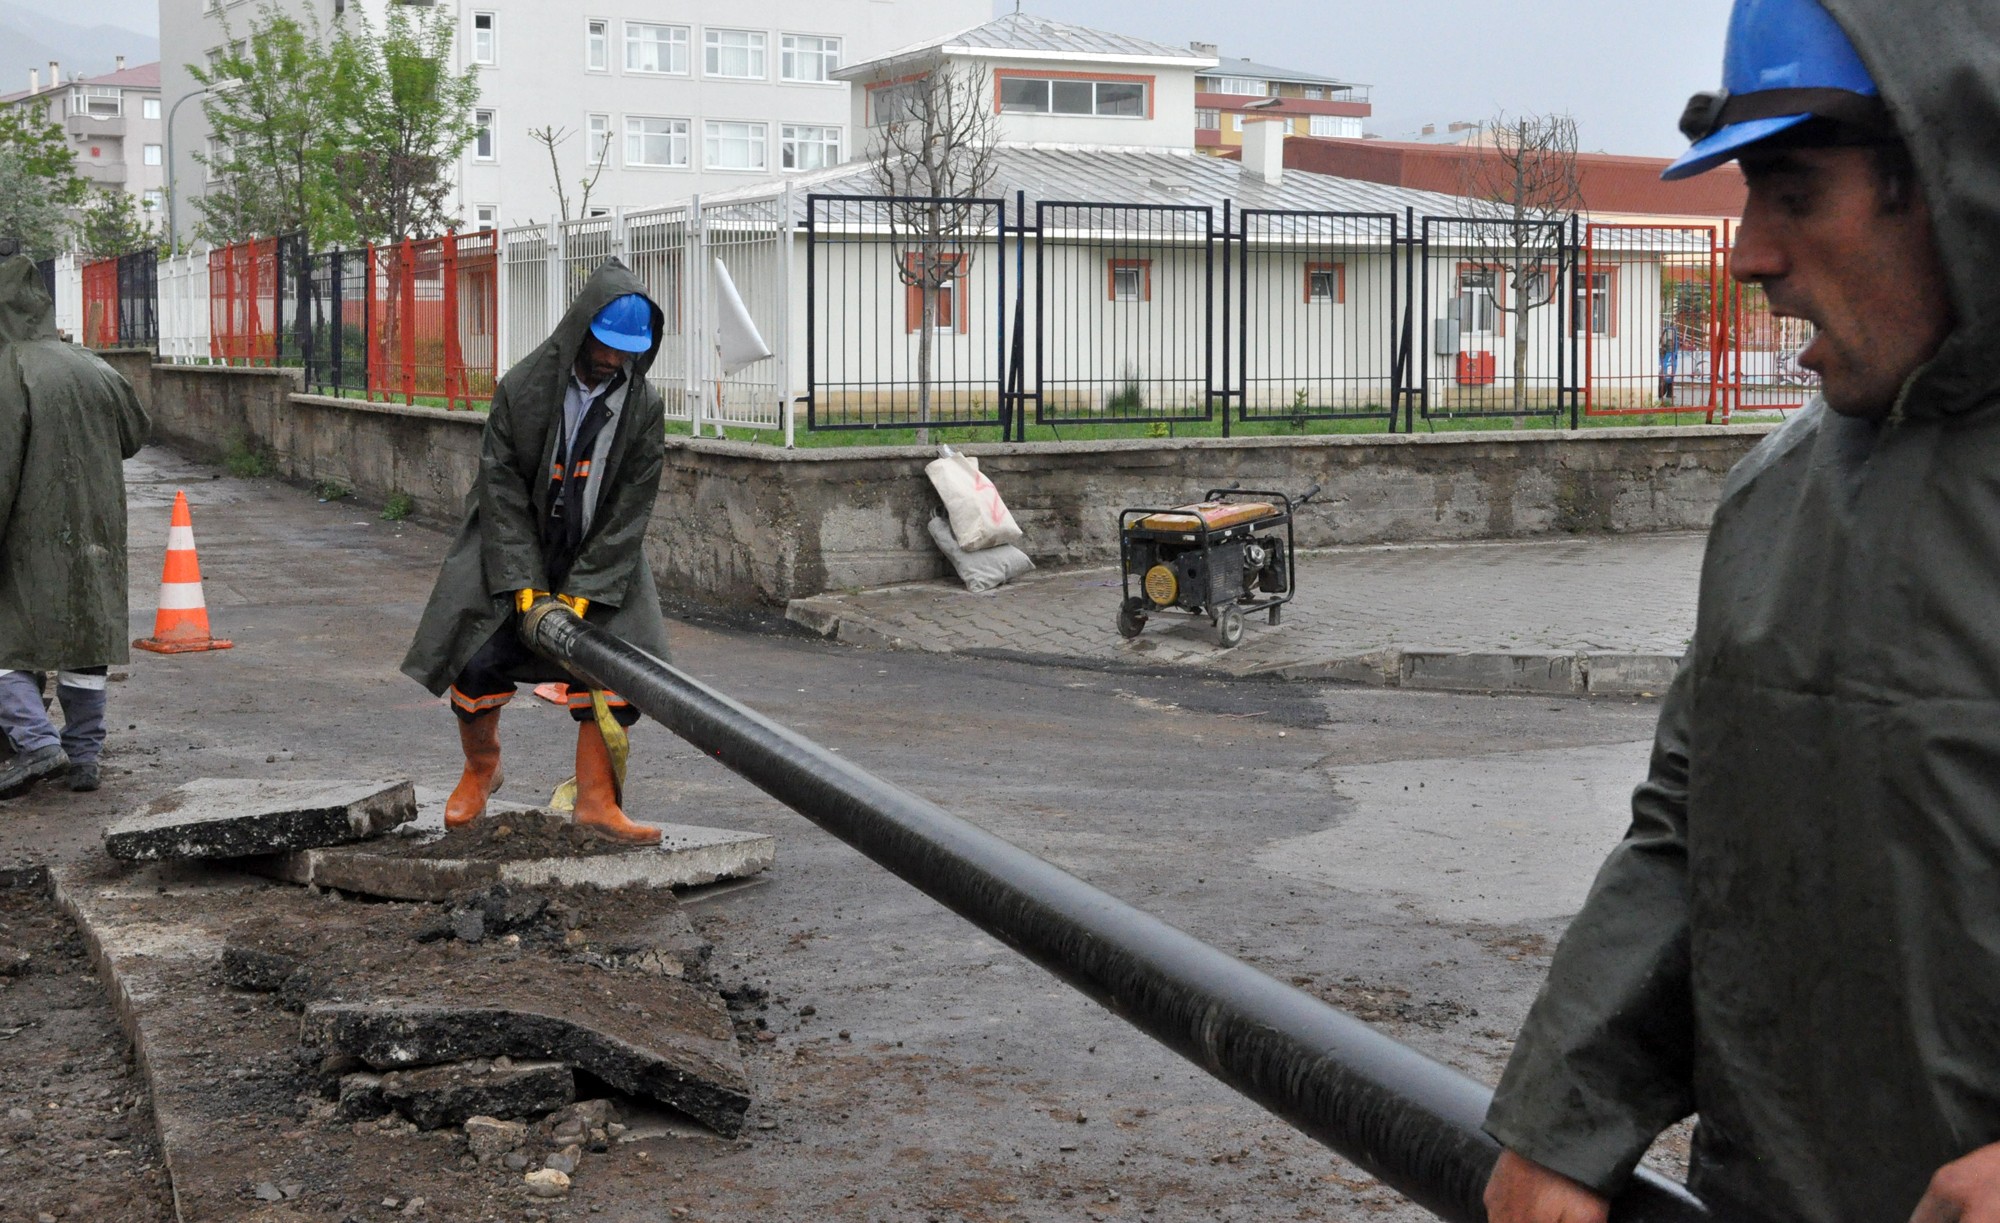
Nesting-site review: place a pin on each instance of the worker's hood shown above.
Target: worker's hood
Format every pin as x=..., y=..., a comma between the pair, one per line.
x=26, y=311
x=609, y=282
x=1938, y=67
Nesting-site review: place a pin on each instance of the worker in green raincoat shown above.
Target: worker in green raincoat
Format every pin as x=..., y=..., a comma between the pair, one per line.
x=67, y=423
x=1798, y=939
x=569, y=469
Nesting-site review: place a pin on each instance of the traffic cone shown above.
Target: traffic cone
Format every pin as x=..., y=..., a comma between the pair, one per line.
x=181, y=624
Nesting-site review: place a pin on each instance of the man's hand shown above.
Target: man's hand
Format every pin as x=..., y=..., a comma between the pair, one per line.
x=1522, y=1191
x=525, y=599
x=576, y=603
x=1966, y=1190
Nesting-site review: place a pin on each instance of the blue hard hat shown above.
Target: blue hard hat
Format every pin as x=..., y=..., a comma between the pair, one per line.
x=1785, y=62
x=626, y=324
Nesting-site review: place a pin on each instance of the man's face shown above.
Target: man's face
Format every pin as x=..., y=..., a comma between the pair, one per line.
x=598, y=361
x=1818, y=236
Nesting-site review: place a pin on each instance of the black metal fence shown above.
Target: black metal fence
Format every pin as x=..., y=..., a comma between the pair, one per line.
x=138, y=299
x=332, y=322
x=47, y=267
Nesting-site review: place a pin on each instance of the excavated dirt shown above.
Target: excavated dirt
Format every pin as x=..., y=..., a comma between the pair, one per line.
x=76, y=1127
x=512, y=836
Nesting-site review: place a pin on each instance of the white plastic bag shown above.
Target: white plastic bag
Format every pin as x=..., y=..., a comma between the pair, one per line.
x=979, y=519
x=984, y=569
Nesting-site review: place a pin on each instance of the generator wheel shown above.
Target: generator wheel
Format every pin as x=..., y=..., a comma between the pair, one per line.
x=1273, y=616
x=1131, y=618
x=1229, y=627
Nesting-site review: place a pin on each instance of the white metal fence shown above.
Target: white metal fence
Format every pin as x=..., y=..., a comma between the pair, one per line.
x=183, y=313
x=544, y=266
x=69, y=295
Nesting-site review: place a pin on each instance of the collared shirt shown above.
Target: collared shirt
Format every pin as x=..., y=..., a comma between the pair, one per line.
x=576, y=401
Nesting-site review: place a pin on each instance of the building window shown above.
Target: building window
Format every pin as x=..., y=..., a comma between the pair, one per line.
x=1130, y=280
x=1315, y=93
x=804, y=147
x=656, y=48
x=216, y=163
x=153, y=199
x=149, y=108
x=485, y=216
x=733, y=53
x=482, y=38
x=1477, y=305
x=1597, y=302
x=656, y=142
x=1208, y=120
x=808, y=57
x=598, y=133
x=1235, y=84
x=482, y=135
x=945, y=274
x=1236, y=121
x=733, y=146
x=597, y=45
x=152, y=154
x=1028, y=95
x=1345, y=127
x=97, y=101
x=1326, y=284
x=896, y=103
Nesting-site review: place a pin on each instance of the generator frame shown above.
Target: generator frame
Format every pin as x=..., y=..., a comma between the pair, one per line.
x=1227, y=618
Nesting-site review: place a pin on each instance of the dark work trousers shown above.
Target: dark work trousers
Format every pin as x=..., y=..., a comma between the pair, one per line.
x=25, y=718
x=488, y=680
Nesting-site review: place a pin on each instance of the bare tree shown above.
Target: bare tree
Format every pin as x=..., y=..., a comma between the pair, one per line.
x=933, y=155
x=1523, y=187
x=553, y=138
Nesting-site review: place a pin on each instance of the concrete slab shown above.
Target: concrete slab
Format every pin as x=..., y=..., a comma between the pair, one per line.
x=437, y=1096
x=212, y=817
x=415, y=862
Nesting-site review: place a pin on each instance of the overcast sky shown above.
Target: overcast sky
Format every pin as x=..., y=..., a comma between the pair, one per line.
x=1623, y=68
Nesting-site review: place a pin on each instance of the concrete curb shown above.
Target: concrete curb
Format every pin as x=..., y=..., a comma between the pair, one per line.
x=1551, y=673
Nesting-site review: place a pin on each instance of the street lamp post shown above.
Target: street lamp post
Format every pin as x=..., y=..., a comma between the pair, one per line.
x=173, y=192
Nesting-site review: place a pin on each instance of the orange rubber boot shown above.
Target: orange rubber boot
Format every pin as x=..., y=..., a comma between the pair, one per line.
x=597, y=792
x=480, y=737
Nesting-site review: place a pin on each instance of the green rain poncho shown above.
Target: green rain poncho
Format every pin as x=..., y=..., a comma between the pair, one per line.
x=67, y=423
x=499, y=550
x=1799, y=937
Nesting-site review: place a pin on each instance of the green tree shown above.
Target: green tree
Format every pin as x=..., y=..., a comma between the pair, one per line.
x=406, y=116
x=38, y=180
x=112, y=223
x=274, y=115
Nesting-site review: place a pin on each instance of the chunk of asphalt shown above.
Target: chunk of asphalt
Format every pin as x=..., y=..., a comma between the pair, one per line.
x=487, y=1137
x=685, y=1060
x=255, y=969
x=361, y=1097
x=438, y=1096
x=214, y=817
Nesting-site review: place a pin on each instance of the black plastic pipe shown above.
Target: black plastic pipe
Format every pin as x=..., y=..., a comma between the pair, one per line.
x=1410, y=1122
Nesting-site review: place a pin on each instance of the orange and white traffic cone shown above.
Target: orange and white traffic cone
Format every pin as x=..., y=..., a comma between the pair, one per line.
x=181, y=624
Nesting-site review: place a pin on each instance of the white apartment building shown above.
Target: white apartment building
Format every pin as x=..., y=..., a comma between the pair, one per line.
x=112, y=123
x=672, y=97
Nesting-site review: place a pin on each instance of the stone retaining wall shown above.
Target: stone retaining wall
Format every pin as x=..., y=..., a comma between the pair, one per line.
x=739, y=524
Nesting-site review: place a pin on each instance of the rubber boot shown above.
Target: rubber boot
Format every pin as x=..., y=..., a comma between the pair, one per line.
x=597, y=792
x=480, y=737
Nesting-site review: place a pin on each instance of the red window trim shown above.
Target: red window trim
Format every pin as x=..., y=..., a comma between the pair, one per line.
x=1339, y=271
x=1581, y=305
x=1150, y=82
x=1111, y=269
x=913, y=300
x=870, y=88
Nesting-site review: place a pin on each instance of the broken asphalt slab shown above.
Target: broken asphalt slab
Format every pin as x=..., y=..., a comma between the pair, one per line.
x=212, y=817
x=420, y=861
x=240, y=1102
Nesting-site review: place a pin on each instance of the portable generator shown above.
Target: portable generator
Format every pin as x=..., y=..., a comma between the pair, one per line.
x=1219, y=558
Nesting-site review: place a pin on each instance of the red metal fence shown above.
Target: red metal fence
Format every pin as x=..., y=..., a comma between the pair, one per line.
x=100, y=304
x=434, y=319
x=245, y=302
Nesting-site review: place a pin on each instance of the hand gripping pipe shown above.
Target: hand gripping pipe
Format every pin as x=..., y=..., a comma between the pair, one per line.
x=1410, y=1122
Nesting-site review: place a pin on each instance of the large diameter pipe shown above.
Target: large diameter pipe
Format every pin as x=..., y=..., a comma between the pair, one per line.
x=1412, y=1123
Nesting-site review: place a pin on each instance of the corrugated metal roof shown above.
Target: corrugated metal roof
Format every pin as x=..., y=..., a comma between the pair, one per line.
x=1264, y=72
x=1021, y=33
x=1139, y=176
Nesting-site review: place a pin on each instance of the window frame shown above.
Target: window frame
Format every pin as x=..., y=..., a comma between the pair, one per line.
x=760, y=125
x=1499, y=316
x=482, y=132
x=1149, y=83
x=479, y=225
x=686, y=45
x=761, y=52
x=786, y=140
x=686, y=135
x=1335, y=268
x=152, y=155
x=1583, y=304
x=827, y=69
x=1144, y=268
x=597, y=152
x=492, y=56
x=953, y=318
x=603, y=25
x=149, y=108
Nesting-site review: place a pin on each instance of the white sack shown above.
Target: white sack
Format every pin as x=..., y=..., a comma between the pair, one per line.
x=979, y=519
x=737, y=341
x=984, y=569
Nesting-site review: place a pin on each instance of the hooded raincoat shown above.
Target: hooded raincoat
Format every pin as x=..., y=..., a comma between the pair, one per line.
x=499, y=549
x=1799, y=937
x=67, y=423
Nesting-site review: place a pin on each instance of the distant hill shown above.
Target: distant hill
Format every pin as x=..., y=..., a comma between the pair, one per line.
x=29, y=39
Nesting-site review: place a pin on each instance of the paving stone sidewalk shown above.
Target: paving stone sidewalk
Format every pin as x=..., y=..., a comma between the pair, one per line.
x=1599, y=615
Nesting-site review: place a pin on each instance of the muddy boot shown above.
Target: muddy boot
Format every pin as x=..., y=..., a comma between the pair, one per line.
x=30, y=767
x=480, y=737
x=597, y=792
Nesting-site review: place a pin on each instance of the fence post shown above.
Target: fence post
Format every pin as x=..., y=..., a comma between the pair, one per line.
x=784, y=336
x=556, y=249
x=454, y=348
x=693, y=285
x=406, y=316
x=373, y=376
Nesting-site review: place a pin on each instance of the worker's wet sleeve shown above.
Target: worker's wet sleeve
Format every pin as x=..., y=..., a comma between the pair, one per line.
x=13, y=439
x=134, y=426
x=510, y=539
x=611, y=552
x=1605, y=1059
